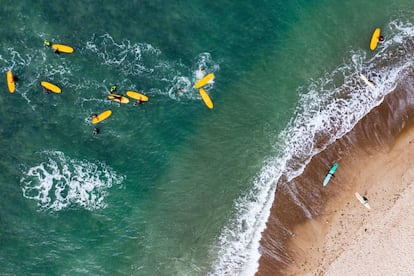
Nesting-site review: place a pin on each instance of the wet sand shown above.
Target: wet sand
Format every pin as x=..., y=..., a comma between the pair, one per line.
x=315, y=230
x=358, y=241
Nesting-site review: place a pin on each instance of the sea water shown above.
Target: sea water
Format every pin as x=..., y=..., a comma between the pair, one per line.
x=169, y=187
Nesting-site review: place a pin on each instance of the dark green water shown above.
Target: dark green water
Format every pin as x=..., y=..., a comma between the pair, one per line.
x=158, y=191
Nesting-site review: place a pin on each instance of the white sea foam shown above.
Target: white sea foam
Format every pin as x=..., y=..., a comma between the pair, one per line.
x=172, y=78
x=204, y=64
x=61, y=182
x=125, y=56
x=181, y=88
x=325, y=106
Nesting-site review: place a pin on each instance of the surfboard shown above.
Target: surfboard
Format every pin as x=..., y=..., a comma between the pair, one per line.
x=206, y=98
x=10, y=81
x=100, y=117
x=51, y=87
x=137, y=96
x=374, y=39
x=206, y=79
x=363, y=202
x=330, y=173
x=62, y=48
x=367, y=81
x=118, y=98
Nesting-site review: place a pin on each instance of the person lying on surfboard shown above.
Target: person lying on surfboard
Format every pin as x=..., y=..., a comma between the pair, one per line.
x=118, y=97
x=47, y=43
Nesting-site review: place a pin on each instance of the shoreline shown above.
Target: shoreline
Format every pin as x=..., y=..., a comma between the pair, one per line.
x=311, y=227
x=354, y=240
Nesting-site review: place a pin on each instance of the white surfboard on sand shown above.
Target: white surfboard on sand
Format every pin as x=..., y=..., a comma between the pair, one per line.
x=362, y=200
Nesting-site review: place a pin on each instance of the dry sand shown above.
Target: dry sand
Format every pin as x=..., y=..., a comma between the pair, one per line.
x=352, y=240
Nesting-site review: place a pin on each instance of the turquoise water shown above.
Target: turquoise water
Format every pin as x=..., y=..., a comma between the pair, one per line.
x=168, y=187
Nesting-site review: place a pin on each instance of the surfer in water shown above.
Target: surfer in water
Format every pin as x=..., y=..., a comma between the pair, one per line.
x=113, y=88
x=47, y=43
x=96, y=131
x=380, y=38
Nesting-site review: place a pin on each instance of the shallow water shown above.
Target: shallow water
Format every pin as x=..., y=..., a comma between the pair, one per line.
x=171, y=187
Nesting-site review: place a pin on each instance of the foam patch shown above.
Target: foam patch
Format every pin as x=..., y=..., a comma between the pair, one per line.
x=61, y=182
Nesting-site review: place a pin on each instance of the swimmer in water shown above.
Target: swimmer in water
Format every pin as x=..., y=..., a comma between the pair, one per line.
x=113, y=88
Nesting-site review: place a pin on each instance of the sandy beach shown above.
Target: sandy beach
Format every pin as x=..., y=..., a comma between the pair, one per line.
x=316, y=230
x=352, y=240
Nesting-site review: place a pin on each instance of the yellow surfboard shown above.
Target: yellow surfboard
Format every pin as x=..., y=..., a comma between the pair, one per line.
x=118, y=98
x=51, y=87
x=206, y=98
x=100, y=117
x=206, y=79
x=10, y=81
x=62, y=48
x=137, y=96
x=374, y=39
